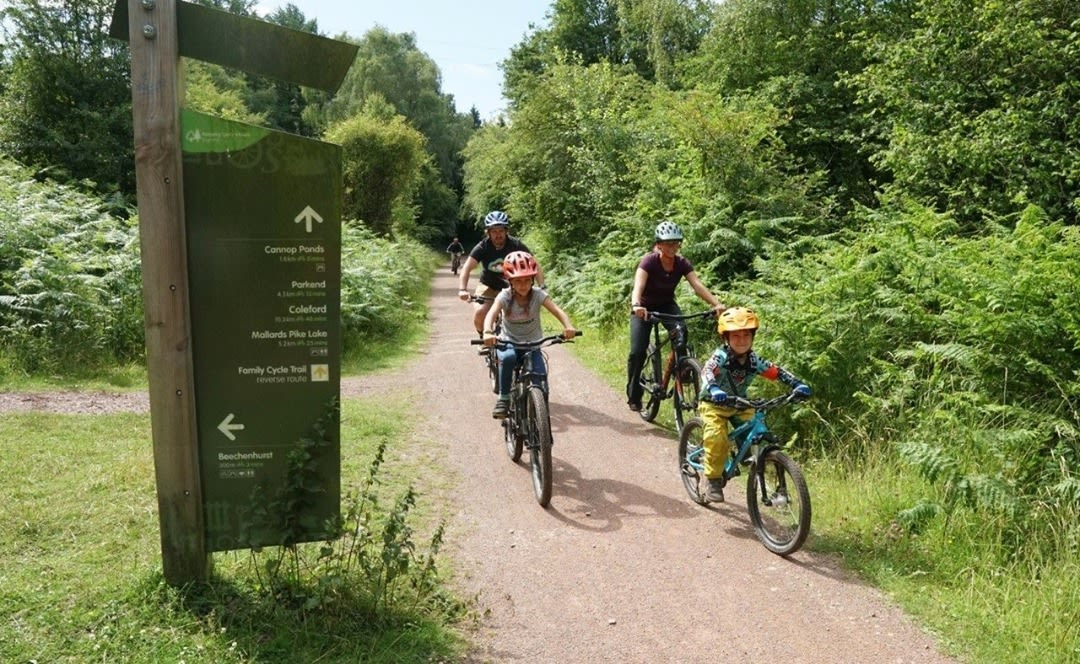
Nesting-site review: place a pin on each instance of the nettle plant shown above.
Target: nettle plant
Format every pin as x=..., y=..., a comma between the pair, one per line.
x=370, y=561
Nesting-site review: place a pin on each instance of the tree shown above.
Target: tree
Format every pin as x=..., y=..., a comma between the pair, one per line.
x=282, y=103
x=382, y=162
x=795, y=55
x=390, y=67
x=979, y=105
x=66, y=98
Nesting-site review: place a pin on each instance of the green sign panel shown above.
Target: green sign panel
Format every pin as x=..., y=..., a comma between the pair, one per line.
x=263, y=213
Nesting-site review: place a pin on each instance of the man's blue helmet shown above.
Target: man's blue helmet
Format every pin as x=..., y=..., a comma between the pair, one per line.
x=496, y=218
x=667, y=230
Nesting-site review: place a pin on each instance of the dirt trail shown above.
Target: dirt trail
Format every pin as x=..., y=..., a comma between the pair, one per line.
x=621, y=567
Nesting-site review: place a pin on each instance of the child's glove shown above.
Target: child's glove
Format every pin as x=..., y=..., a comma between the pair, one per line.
x=801, y=392
x=716, y=395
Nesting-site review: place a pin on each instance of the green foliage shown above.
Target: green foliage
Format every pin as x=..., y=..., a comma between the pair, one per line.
x=390, y=69
x=963, y=352
x=215, y=91
x=382, y=163
x=70, y=286
x=979, y=107
x=381, y=282
x=66, y=97
x=487, y=179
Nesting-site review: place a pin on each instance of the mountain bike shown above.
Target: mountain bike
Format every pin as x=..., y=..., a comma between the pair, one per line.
x=528, y=423
x=485, y=352
x=670, y=369
x=455, y=261
x=777, y=497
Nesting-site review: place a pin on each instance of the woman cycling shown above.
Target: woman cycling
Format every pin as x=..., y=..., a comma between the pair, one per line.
x=657, y=275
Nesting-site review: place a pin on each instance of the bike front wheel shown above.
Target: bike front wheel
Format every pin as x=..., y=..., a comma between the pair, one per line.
x=652, y=390
x=779, y=503
x=687, y=388
x=691, y=455
x=514, y=442
x=539, y=442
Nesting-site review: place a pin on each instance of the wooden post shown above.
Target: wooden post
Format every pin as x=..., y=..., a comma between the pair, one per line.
x=156, y=96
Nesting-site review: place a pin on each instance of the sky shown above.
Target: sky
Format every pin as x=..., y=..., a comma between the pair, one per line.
x=466, y=38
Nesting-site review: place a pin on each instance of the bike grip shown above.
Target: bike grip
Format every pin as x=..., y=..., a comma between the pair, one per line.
x=476, y=342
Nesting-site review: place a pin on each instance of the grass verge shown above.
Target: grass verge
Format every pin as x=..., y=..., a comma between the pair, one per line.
x=80, y=575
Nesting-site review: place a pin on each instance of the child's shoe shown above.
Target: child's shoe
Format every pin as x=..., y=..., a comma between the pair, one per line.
x=715, y=494
x=502, y=408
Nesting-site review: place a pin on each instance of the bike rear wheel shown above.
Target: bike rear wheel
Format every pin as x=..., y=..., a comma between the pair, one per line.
x=687, y=387
x=690, y=459
x=779, y=503
x=652, y=390
x=538, y=425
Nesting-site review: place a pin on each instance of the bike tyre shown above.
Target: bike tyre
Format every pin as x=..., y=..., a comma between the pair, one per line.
x=687, y=388
x=690, y=444
x=782, y=528
x=493, y=371
x=538, y=423
x=514, y=442
x=652, y=391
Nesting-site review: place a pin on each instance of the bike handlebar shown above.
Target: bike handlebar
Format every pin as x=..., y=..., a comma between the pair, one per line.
x=656, y=315
x=531, y=345
x=736, y=401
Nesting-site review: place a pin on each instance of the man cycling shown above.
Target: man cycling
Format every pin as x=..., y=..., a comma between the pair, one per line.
x=489, y=254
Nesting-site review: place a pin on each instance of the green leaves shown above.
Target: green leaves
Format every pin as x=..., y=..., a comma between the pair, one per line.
x=70, y=289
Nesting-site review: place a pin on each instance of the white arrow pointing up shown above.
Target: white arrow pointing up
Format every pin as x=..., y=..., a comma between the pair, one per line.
x=226, y=427
x=306, y=216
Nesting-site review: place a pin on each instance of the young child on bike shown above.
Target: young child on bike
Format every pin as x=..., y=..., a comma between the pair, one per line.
x=729, y=372
x=519, y=305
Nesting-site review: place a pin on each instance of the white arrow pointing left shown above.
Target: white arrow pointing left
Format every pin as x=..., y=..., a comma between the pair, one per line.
x=227, y=427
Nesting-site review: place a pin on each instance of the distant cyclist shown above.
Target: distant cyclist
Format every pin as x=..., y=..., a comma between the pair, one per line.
x=489, y=254
x=455, y=249
x=728, y=372
x=657, y=275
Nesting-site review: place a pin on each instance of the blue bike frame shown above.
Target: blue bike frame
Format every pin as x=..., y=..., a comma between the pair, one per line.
x=744, y=435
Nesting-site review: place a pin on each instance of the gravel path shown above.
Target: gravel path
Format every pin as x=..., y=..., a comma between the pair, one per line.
x=621, y=567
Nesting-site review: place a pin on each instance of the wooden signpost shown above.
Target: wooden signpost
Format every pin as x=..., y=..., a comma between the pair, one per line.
x=159, y=33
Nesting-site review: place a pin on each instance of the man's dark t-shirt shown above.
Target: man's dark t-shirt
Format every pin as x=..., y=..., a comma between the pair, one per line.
x=490, y=259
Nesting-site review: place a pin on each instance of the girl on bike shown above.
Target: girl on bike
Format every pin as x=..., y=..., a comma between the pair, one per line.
x=728, y=372
x=490, y=253
x=657, y=275
x=519, y=305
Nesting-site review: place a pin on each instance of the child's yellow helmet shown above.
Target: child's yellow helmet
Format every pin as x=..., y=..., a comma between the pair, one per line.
x=737, y=318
